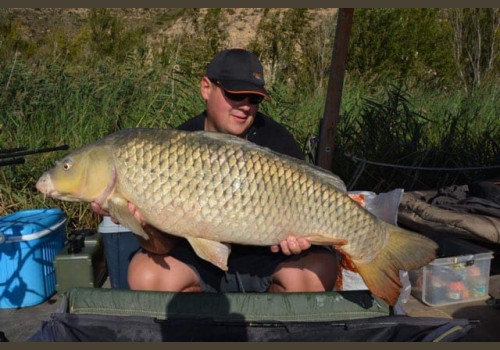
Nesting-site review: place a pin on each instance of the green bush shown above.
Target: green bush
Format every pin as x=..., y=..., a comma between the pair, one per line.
x=413, y=44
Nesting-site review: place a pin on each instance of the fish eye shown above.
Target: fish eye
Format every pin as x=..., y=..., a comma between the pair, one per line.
x=67, y=164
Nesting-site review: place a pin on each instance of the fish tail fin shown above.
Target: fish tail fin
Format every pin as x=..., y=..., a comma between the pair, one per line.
x=404, y=250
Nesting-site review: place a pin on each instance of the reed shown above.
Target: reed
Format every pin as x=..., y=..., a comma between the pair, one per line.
x=54, y=104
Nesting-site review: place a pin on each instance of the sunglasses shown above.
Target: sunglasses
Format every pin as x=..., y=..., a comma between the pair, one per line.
x=252, y=98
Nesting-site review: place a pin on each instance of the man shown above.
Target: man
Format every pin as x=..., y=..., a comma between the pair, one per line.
x=233, y=88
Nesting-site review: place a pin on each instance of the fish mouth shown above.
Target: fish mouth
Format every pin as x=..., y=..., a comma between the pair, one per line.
x=58, y=195
x=44, y=185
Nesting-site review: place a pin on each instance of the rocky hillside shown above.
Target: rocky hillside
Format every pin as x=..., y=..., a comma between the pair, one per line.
x=35, y=23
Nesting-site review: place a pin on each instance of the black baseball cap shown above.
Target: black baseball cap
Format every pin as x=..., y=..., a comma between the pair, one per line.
x=238, y=71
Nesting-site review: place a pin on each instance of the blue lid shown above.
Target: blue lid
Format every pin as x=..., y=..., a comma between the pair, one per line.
x=26, y=222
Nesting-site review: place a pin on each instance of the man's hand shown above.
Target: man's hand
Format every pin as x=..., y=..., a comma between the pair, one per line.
x=291, y=245
x=96, y=208
x=133, y=210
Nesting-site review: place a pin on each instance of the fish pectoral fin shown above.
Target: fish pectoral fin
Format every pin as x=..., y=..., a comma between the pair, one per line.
x=118, y=208
x=215, y=252
x=323, y=239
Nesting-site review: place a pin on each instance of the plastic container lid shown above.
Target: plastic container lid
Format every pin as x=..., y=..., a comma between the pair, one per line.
x=108, y=226
x=30, y=224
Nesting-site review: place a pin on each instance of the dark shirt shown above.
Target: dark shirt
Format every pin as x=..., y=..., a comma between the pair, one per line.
x=263, y=132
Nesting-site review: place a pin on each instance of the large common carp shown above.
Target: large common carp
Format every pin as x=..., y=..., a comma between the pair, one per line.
x=215, y=189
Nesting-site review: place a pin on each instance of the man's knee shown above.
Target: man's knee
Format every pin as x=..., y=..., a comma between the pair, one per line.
x=142, y=273
x=324, y=264
x=315, y=271
x=161, y=273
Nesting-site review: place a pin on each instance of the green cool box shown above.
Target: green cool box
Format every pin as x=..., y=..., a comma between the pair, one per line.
x=86, y=268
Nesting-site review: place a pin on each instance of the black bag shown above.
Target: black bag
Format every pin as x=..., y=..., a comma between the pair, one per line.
x=102, y=315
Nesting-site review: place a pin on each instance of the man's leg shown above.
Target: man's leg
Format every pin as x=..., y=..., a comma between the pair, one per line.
x=314, y=271
x=149, y=271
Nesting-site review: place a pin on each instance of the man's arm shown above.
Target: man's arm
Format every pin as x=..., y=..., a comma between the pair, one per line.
x=158, y=243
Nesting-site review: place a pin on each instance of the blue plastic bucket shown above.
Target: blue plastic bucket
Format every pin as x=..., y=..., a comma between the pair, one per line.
x=29, y=242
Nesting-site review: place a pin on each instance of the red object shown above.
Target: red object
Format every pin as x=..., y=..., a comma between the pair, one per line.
x=457, y=286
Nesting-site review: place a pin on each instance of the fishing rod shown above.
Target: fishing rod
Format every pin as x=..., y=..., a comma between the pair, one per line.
x=10, y=150
x=18, y=152
x=12, y=161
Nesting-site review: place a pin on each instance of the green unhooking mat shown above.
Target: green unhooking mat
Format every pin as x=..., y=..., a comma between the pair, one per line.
x=89, y=314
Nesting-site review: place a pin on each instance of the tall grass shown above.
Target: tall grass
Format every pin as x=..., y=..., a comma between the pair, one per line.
x=51, y=104
x=422, y=129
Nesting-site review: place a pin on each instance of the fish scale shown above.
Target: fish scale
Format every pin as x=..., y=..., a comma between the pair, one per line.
x=216, y=189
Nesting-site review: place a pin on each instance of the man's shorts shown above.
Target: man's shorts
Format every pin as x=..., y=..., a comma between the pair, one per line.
x=250, y=268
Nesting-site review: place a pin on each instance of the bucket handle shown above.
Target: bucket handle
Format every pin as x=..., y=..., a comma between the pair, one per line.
x=31, y=236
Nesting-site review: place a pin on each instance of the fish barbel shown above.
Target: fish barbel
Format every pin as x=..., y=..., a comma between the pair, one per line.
x=216, y=189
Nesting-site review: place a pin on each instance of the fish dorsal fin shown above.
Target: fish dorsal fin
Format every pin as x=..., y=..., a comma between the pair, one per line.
x=220, y=136
x=118, y=208
x=327, y=176
x=212, y=251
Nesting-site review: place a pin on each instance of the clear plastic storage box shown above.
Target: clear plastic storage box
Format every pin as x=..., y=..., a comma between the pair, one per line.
x=460, y=274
